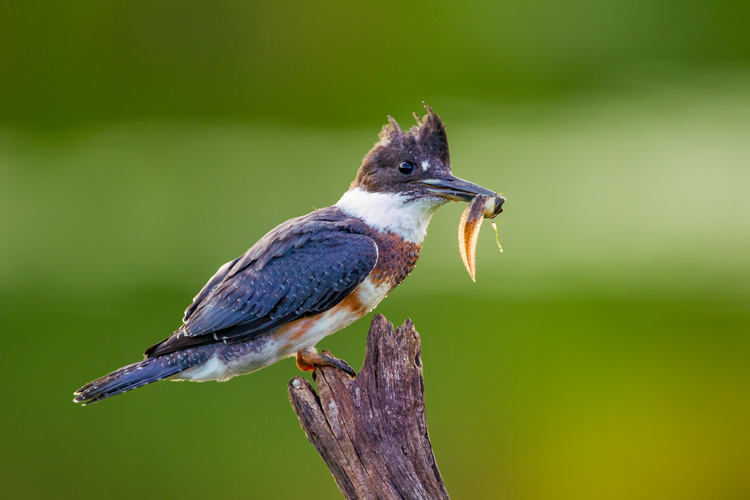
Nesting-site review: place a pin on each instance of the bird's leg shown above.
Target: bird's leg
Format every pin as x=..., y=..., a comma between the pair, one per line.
x=308, y=359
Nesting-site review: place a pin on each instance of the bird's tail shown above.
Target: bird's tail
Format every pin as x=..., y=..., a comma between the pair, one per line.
x=132, y=376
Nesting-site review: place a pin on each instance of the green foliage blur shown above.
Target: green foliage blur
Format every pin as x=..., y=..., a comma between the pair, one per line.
x=603, y=355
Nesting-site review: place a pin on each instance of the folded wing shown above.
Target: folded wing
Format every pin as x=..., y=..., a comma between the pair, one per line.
x=287, y=275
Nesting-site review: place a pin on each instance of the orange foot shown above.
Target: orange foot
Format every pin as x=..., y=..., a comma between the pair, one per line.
x=309, y=359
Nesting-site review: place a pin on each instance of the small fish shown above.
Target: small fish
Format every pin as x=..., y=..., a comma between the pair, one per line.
x=481, y=207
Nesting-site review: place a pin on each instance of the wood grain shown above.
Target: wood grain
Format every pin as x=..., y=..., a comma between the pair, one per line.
x=372, y=431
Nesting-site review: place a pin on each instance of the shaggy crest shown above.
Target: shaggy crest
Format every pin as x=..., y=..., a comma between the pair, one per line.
x=425, y=145
x=427, y=136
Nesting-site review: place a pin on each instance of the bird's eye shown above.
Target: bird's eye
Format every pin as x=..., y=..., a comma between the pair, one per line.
x=406, y=167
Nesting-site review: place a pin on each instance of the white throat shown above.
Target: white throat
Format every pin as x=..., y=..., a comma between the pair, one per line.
x=390, y=212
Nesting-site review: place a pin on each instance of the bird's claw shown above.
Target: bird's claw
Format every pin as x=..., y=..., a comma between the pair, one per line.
x=330, y=360
x=309, y=360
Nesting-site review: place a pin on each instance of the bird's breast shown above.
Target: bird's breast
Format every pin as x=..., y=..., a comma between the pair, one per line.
x=396, y=258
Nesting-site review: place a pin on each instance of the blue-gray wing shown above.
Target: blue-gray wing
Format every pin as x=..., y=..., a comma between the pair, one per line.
x=275, y=282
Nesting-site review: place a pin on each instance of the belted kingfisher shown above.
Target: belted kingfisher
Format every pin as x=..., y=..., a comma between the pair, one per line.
x=310, y=276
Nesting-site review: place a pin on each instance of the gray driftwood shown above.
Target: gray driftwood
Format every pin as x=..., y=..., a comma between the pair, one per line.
x=372, y=431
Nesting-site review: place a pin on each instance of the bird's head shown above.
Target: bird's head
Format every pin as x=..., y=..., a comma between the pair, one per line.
x=405, y=177
x=414, y=164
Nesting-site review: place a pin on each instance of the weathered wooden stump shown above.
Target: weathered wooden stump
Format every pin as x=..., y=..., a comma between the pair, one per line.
x=372, y=431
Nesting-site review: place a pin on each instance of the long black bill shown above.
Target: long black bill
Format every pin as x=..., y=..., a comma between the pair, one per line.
x=453, y=188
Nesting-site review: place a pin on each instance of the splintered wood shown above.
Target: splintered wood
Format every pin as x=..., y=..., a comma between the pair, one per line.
x=372, y=431
x=468, y=229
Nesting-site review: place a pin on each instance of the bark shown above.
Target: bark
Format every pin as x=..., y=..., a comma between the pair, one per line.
x=372, y=431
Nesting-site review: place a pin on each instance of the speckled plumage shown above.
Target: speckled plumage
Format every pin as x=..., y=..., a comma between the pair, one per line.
x=302, y=267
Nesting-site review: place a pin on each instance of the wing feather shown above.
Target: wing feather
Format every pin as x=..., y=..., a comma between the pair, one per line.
x=292, y=275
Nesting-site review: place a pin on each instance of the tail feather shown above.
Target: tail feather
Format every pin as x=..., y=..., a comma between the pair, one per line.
x=135, y=375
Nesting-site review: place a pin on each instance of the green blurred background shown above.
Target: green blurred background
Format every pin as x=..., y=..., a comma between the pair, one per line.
x=603, y=355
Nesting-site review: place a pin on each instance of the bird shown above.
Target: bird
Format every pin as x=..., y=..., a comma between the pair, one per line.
x=312, y=275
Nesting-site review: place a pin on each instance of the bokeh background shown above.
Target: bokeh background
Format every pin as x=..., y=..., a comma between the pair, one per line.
x=603, y=355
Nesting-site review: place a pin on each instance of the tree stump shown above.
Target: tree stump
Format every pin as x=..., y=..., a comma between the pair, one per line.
x=372, y=431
